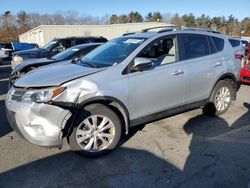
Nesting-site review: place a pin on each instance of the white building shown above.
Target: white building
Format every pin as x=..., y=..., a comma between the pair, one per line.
x=44, y=33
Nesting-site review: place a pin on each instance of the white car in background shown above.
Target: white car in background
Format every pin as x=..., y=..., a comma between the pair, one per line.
x=4, y=53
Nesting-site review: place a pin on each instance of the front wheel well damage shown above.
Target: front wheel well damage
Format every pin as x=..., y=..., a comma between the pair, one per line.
x=117, y=107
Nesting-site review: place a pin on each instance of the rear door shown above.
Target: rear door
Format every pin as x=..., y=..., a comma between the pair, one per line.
x=204, y=64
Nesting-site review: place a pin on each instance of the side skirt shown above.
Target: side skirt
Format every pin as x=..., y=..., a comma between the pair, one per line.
x=167, y=113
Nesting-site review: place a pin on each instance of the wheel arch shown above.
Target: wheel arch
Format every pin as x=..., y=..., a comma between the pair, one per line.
x=113, y=103
x=228, y=76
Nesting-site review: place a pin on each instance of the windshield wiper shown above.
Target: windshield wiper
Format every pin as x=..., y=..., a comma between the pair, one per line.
x=87, y=63
x=51, y=58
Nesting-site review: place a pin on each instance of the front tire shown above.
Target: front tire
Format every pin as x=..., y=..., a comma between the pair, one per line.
x=220, y=99
x=97, y=131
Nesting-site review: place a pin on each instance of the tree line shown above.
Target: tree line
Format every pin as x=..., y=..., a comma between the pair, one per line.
x=11, y=25
x=226, y=25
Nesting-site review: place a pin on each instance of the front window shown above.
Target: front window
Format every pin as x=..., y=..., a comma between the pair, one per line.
x=49, y=45
x=112, y=52
x=57, y=45
x=162, y=51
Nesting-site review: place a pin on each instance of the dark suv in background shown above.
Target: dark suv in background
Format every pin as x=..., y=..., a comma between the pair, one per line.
x=53, y=47
x=71, y=55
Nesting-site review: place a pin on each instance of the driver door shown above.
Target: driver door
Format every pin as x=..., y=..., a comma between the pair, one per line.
x=162, y=86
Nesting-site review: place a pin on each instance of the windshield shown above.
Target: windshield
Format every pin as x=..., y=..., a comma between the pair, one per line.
x=112, y=52
x=64, y=55
x=49, y=44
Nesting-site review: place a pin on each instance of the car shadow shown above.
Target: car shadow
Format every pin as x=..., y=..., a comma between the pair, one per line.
x=122, y=168
x=214, y=145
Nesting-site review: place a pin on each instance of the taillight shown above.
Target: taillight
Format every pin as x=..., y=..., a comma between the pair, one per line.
x=238, y=56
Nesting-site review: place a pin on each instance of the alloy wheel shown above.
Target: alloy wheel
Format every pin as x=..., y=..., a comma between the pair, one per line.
x=95, y=133
x=222, y=98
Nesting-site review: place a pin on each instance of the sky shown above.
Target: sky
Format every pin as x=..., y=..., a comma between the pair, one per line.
x=103, y=7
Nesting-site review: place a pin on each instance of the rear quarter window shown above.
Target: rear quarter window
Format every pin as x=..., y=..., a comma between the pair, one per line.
x=6, y=45
x=234, y=42
x=219, y=43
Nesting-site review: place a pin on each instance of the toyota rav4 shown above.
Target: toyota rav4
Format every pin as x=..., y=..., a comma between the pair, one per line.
x=131, y=80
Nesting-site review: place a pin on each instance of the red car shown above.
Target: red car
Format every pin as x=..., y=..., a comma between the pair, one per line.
x=245, y=74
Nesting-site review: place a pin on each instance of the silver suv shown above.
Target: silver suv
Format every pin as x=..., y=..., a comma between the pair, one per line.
x=131, y=80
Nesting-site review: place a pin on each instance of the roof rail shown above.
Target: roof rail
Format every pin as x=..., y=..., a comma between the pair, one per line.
x=151, y=28
x=174, y=28
x=128, y=33
x=198, y=29
x=168, y=29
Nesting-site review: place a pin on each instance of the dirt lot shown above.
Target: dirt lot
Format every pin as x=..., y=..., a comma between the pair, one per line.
x=186, y=150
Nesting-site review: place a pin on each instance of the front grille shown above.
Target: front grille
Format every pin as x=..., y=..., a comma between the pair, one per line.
x=11, y=118
x=246, y=78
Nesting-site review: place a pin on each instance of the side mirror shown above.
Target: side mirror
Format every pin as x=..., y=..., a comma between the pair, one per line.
x=141, y=64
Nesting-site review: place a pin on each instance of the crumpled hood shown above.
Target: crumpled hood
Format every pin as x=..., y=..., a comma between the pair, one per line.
x=33, y=53
x=52, y=75
x=33, y=63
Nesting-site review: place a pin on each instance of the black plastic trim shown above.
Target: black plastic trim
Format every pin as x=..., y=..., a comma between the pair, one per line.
x=111, y=99
x=232, y=76
x=167, y=113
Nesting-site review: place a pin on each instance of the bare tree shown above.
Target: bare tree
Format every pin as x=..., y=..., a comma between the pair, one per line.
x=23, y=19
x=167, y=17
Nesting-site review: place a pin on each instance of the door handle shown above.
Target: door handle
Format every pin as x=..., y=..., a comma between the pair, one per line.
x=217, y=64
x=178, y=72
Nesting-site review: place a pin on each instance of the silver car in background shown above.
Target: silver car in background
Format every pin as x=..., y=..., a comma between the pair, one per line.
x=133, y=79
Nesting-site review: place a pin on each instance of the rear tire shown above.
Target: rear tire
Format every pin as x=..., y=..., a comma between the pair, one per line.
x=97, y=131
x=220, y=99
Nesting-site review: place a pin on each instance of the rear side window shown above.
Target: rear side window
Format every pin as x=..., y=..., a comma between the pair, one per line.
x=6, y=45
x=219, y=43
x=99, y=40
x=234, y=42
x=82, y=41
x=194, y=45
